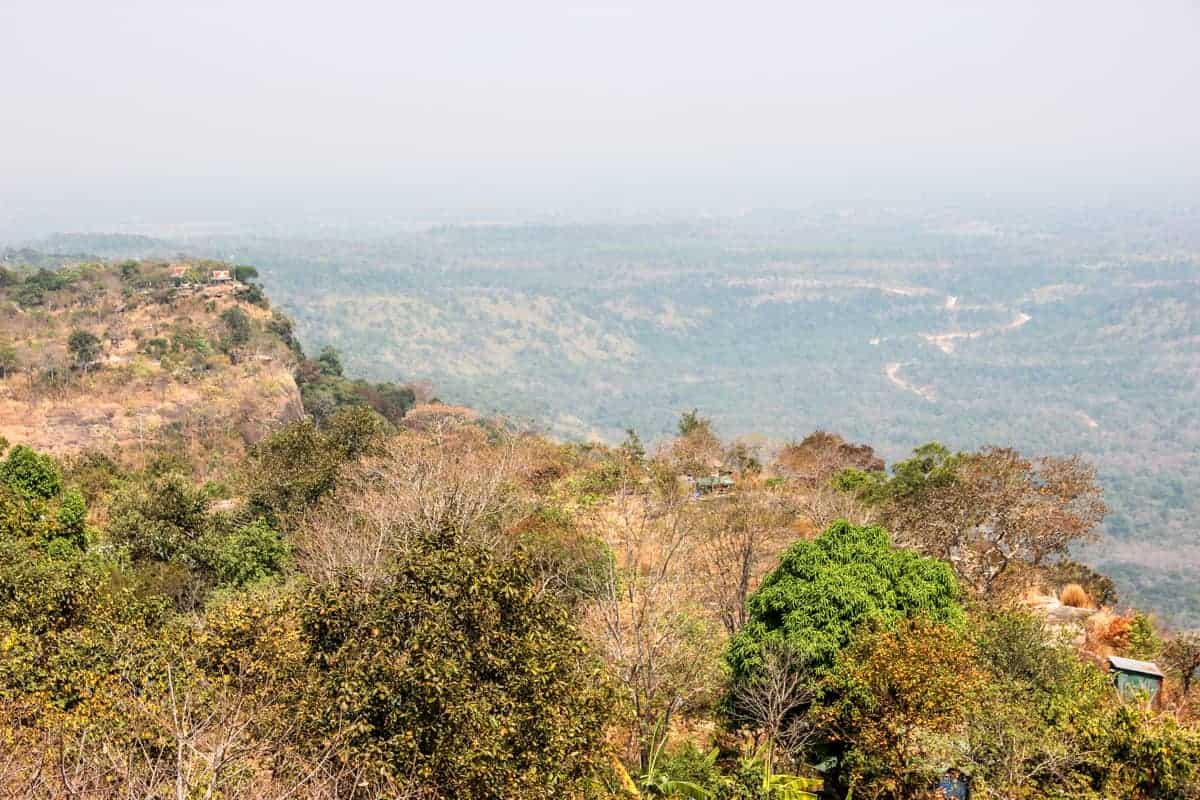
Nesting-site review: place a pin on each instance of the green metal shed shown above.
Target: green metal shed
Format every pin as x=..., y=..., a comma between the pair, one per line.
x=1136, y=679
x=713, y=483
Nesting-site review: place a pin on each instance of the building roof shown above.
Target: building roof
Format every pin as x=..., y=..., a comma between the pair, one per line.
x=714, y=480
x=1133, y=665
x=178, y=270
x=220, y=275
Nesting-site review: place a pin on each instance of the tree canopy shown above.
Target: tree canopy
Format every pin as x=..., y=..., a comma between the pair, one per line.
x=826, y=587
x=991, y=514
x=84, y=347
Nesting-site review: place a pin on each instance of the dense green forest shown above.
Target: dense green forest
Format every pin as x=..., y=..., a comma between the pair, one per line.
x=1052, y=330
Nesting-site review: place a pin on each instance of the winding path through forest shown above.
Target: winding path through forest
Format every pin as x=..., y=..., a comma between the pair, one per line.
x=893, y=373
x=946, y=343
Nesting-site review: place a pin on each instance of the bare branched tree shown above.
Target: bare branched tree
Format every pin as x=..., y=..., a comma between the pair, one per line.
x=822, y=505
x=739, y=537
x=773, y=705
x=1181, y=656
x=190, y=740
x=646, y=616
x=443, y=483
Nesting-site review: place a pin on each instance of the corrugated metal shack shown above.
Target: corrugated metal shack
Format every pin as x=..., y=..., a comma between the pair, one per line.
x=1136, y=679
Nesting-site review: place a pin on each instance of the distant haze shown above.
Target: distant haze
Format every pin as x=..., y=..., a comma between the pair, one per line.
x=167, y=108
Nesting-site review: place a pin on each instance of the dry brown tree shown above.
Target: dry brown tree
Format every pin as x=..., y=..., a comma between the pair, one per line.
x=697, y=450
x=647, y=617
x=448, y=482
x=1181, y=656
x=1001, y=513
x=739, y=537
x=186, y=737
x=820, y=455
x=821, y=505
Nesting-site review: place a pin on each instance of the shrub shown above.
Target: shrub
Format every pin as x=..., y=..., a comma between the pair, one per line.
x=237, y=328
x=1099, y=587
x=72, y=515
x=156, y=347
x=252, y=294
x=1075, y=596
x=30, y=473
x=30, y=295
x=250, y=553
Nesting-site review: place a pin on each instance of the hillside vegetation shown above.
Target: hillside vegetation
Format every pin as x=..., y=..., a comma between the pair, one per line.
x=386, y=598
x=107, y=358
x=1065, y=331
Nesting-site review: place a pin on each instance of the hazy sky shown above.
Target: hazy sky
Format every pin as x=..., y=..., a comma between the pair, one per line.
x=575, y=94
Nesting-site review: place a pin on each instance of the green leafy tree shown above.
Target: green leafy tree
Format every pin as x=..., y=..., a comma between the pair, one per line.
x=237, y=328
x=248, y=554
x=40, y=594
x=932, y=466
x=30, y=473
x=330, y=362
x=72, y=518
x=244, y=273
x=1144, y=642
x=84, y=347
x=903, y=698
x=282, y=327
x=1029, y=719
x=159, y=519
x=50, y=280
x=826, y=587
x=632, y=447
x=294, y=467
x=458, y=671
x=391, y=401
x=1148, y=756
x=691, y=422
x=30, y=295
x=291, y=469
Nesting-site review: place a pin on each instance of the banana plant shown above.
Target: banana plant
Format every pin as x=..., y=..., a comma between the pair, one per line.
x=657, y=784
x=790, y=787
x=654, y=782
x=779, y=786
